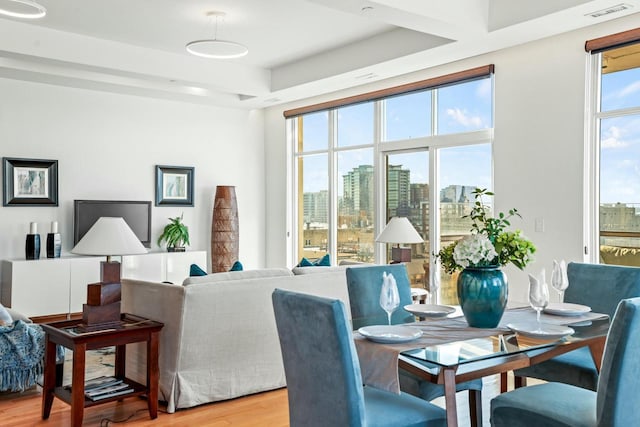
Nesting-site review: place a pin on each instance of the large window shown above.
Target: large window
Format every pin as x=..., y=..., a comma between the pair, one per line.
x=616, y=135
x=408, y=151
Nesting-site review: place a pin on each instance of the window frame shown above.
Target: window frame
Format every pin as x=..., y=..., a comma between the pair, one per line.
x=594, y=116
x=432, y=144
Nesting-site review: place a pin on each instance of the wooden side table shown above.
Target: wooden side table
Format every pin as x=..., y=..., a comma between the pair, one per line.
x=72, y=335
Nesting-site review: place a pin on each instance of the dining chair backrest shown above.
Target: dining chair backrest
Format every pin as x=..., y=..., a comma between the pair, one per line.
x=618, y=396
x=601, y=286
x=364, y=285
x=322, y=370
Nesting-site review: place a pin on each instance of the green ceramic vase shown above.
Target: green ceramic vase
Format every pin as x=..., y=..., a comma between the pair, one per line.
x=482, y=293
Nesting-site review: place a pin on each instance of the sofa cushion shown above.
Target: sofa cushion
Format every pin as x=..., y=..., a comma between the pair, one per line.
x=237, y=266
x=237, y=275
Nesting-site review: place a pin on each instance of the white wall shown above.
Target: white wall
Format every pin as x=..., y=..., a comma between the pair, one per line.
x=538, y=146
x=107, y=146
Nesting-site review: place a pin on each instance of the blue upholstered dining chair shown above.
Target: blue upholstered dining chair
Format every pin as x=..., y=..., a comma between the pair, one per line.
x=364, y=285
x=324, y=381
x=600, y=287
x=616, y=402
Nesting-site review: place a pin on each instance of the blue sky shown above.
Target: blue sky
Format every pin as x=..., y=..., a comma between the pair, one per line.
x=620, y=139
x=461, y=108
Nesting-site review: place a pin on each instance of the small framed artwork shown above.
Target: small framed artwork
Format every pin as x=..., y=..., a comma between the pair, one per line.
x=174, y=185
x=29, y=182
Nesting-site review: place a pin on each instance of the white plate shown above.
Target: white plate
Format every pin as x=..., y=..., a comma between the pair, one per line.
x=390, y=334
x=429, y=310
x=530, y=329
x=566, y=309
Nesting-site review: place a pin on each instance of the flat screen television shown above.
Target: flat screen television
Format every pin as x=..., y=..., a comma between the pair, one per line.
x=137, y=214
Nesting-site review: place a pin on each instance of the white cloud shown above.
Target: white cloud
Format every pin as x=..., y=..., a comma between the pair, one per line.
x=462, y=118
x=612, y=142
x=629, y=90
x=613, y=138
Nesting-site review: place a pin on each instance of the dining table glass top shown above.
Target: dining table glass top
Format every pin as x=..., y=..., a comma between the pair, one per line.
x=502, y=344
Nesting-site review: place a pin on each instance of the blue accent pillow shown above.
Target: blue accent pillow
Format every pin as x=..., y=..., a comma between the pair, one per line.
x=305, y=263
x=237, y=266
x=196, y=271
x=325, y=261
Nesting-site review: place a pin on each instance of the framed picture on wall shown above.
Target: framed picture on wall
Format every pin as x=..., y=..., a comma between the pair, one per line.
x=174, y=185
x=29, y=182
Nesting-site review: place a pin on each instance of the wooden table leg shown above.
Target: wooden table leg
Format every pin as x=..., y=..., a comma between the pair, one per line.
x=597, y=350
x=504, y=382
x=475, y=408
x=153, y=374
x=450, y=396
x=120, y=362
x=49, y=379
x=77, y=390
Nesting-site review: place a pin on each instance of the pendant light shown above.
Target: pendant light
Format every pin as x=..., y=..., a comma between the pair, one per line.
x=214, y=48
x=25, y=9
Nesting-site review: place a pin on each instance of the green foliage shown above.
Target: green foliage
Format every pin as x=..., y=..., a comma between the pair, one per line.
x=176, y=234
x=511, y=246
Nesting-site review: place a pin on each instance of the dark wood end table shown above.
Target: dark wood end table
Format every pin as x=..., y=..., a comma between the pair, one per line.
x=72, y=335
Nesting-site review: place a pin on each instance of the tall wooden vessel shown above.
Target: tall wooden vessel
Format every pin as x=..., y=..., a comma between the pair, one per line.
x=224, y=229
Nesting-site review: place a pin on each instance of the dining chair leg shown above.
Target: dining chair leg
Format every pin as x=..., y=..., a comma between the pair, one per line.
x=519, y=381
x=504, y=385
x=475, y=408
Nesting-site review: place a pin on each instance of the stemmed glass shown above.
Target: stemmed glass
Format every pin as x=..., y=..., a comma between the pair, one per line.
x=559, y=279
x=389, y=297
x=538, y=295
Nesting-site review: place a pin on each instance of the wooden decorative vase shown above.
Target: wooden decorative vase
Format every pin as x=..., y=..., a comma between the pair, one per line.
x=224, y=229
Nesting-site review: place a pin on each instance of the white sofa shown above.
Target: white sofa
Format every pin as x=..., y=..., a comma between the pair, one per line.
x=220, y=339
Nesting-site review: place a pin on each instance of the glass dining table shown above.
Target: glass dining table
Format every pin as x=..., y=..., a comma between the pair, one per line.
x=449, y=351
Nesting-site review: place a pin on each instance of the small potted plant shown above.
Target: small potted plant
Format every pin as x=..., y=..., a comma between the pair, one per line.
x=176, y=234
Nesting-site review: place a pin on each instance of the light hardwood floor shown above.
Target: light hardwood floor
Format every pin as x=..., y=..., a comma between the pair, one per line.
x=269, y=409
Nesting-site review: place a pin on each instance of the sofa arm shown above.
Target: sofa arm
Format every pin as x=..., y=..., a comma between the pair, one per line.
x=163, y=303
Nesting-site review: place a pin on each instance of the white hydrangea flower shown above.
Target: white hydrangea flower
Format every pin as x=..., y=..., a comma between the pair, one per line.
x=473, y=250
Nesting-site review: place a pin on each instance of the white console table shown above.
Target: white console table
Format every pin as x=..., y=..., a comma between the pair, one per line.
x=53, y=286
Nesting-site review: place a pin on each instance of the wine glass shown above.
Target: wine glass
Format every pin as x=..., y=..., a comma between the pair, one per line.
x=538, y=294
x=389, y=297
x=559, y=279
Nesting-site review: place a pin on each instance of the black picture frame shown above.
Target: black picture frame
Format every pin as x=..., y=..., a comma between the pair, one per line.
x=29, y=182
x=174, y=185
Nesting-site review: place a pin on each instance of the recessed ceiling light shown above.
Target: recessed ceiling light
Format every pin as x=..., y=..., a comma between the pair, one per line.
x=25, y=9
x=215, y=48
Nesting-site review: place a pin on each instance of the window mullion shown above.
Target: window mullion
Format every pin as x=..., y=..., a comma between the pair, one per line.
x=434, y=219
x=332, y=244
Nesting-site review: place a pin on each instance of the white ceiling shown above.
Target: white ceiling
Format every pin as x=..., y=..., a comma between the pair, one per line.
x=297, y=48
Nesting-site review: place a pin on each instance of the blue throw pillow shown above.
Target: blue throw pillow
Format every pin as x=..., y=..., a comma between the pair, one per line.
x=305, y=263
x=196, y=271
x=237, y=266
x=325, y=261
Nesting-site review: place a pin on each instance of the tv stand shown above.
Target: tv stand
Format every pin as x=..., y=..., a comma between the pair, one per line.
x=57, y=287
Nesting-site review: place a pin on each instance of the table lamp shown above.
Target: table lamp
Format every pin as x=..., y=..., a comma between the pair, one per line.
x=108, y=236
x=399, y=230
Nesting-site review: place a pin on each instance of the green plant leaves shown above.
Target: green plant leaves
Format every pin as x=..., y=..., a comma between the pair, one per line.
x=176, y=234
x=511, y=246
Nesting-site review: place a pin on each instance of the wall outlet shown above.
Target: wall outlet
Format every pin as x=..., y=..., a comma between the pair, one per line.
x=539, y=226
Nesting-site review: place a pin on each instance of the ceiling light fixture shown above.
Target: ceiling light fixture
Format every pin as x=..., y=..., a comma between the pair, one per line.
x=214, y=48
x=26, y=9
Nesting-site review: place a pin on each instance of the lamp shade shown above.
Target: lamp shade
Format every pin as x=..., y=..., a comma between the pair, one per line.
x=109, y=236
x=399, y=230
